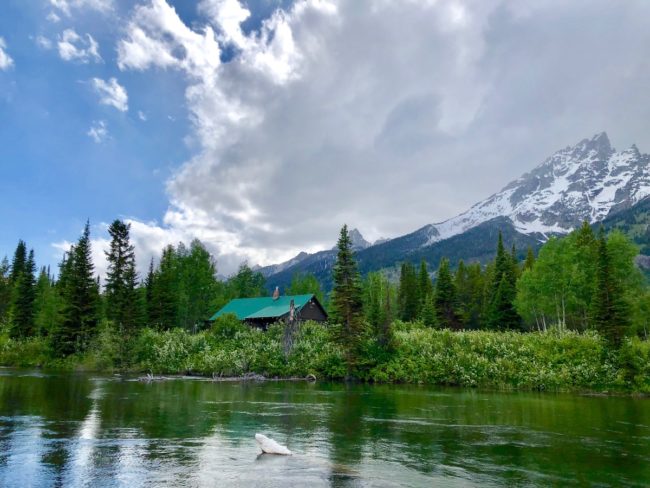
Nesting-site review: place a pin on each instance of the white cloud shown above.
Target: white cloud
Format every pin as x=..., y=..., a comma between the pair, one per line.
x=73, y=47
x=5, y=60
x=111, y=93
x=68, y=6
x=142, y=116
x=98, y=131
x=43, y=42
x=384, y=115
x=52, y=17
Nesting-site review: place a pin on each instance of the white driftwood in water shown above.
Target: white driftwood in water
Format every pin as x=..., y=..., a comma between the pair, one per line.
x=269, y=446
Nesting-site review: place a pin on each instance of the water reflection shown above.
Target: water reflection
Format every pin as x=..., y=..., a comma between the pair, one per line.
x=76, y=430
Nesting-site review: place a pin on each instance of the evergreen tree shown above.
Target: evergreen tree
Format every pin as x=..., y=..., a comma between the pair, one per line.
x=198, y=284
x=46, y=303
x=18, y=262
x=530, y=259
x=504, y=283
x=610, y=313
x=409, y=295
x=149, y=297
x=246, y=283
x=445, y=297
x=122, y=306
x=24, y=293
x=425, y=285
x=165, y=292
x=347, y=303
x=80, y=299
x=5, y=290
x=469, y=289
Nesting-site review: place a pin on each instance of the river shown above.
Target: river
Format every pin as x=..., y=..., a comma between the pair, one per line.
x=74, y=430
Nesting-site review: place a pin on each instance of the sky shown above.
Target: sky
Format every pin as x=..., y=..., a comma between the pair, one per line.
x=261, y=127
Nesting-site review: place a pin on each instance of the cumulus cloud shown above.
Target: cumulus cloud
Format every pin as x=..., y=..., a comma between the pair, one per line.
x=384, y=115
x=98, y=131
x=5, y=60
x=73, y=47
x=111, y=93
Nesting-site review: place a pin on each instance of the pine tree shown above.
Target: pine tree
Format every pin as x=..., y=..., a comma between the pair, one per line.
x=80, y=299
x=445, y=297
x=5, y=290
x=46, y=304
x=24, y=293
x=18, y=262
x=347, y=303
x=122, y=305
x=425, y=285
x=409, y=296
x=502, y=295
x=149, y=297
x=164, y=291
x=610, y=314
x=530, y=259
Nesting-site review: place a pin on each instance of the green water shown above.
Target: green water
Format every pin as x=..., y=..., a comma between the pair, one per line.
x=88, y=430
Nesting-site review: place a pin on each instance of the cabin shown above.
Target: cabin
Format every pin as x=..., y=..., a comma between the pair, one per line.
x=262, y=311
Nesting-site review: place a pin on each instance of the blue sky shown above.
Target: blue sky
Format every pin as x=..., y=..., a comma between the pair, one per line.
x=260, y=127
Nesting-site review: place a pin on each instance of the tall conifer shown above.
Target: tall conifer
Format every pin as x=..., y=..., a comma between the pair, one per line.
x=347, y=303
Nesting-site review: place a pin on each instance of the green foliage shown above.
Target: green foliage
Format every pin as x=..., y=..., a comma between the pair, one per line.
x=409, y=293
x=80, y=300
x=445, y=300
x=501, y=313
x=347, y=299
x=542, y=361
x=5, y=291
x=470, y=284
x=227, y=326
x=305, y=283
x=22, y=303
x=122, y=301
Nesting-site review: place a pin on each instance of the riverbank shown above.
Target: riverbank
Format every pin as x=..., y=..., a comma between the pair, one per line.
x=549, y=361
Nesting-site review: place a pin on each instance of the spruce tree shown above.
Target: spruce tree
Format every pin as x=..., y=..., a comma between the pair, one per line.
x=5, y=290
x=122, y=305
x=500, y=311
x=24, y=293
x=18, y=262
x=425, y=286
x=530, y=259
x=610, y=314
x=165, y=291
x=46, y=304
x=409, y=296
x=347, y=303
x=445, y=297
x=148, y=294
x=80, y=299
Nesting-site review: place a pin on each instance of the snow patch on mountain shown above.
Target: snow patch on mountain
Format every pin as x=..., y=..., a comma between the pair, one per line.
x=582, y=182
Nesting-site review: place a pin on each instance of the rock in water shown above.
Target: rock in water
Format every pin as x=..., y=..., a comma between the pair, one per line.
x=269, y=446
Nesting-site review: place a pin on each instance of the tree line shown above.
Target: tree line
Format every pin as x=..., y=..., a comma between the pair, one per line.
x=578, y=282
x=181, y=290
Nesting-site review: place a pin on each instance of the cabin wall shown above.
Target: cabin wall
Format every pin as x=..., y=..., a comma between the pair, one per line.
x=311, y=311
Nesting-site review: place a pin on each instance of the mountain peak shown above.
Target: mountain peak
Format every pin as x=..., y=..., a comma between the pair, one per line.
x=358, y=241
x=582, y=182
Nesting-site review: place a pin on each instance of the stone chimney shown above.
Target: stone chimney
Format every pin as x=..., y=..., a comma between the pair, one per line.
x=276, y=293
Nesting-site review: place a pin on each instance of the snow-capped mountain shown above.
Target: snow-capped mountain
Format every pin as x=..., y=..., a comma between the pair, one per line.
x=589, y=181
x=585, y=182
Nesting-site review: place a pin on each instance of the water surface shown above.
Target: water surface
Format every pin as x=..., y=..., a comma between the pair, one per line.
x=90, y=430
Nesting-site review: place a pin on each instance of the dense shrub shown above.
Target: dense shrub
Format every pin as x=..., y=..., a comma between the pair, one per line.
x=551, y=360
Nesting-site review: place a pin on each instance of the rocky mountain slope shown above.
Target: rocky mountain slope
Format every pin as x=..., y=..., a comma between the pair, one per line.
x=589, y=181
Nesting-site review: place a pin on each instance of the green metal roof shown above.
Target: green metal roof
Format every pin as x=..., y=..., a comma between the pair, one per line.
x=262, y=307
